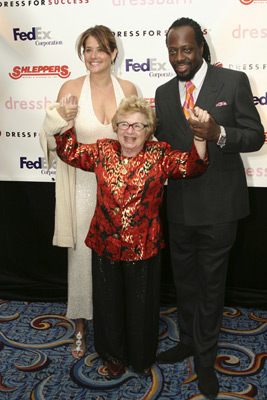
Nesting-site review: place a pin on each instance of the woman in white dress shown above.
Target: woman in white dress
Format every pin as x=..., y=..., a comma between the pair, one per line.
x=98, y=95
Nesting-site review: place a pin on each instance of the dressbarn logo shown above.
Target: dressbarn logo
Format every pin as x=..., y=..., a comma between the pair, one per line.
x=248, y=2
x=40, y=71
x=13, y=104
x=249, y=33
x=256, y=172
x=123, y=3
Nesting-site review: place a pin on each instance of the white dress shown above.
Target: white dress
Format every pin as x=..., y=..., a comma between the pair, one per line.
x=88, y=130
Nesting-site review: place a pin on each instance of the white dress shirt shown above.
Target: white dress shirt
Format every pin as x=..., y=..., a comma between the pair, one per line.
x=197, y=80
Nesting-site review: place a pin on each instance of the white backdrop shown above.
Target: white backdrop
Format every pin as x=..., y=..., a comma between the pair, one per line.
x=38, y=54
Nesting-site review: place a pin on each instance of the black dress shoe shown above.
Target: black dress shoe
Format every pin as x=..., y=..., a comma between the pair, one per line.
x=175, y=354
x=208, y=382
x=115, y=371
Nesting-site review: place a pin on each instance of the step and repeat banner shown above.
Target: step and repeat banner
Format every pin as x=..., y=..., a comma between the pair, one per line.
x=38, y=55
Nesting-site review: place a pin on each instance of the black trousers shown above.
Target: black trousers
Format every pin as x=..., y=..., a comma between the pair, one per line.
x=126, y=298
x=199, y=256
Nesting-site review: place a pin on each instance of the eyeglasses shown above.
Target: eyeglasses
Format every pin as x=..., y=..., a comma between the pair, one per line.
x=137, y=126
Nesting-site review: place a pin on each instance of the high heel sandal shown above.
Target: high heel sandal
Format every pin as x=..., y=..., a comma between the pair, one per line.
x=79, y=346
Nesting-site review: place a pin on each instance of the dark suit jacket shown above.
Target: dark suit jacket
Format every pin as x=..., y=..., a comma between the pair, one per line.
x=221, y=194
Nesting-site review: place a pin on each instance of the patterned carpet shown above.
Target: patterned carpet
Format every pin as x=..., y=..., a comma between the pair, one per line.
x=36, y=364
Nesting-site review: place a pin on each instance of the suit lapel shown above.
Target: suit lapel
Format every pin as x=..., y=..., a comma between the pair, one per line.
x=211, y=88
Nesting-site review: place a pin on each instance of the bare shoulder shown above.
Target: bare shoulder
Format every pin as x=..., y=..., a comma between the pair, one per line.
x=128, y=87
x=72, y=86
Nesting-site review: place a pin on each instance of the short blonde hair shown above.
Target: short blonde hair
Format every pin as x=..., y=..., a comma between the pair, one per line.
x=104, y=37
x=134, y=104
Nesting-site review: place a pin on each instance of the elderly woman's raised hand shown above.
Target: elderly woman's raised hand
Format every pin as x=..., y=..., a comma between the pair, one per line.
x=203, y=125
x=68, y=107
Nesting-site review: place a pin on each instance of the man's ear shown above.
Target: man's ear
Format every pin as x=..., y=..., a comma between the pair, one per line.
x=202, y=48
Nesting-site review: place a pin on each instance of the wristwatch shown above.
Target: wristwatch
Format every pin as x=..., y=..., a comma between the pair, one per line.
x=222, y=138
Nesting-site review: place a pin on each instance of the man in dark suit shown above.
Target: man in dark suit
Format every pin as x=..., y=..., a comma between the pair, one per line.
x=203, y=212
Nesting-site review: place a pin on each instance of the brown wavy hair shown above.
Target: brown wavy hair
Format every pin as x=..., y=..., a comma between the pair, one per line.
x=104, y=37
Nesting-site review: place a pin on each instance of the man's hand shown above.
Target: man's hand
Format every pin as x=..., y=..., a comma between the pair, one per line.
x=68, y=107
x=203, y=125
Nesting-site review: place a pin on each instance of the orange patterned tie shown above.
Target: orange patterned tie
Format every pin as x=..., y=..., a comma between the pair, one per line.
x=189, y=100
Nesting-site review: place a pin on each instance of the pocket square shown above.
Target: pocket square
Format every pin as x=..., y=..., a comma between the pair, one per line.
x=222, y=103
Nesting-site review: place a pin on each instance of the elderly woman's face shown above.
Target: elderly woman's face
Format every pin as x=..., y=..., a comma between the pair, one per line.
x=132, y=133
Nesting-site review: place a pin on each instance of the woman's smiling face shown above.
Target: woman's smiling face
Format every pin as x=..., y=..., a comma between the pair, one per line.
x=132, y=141
x=95, y=58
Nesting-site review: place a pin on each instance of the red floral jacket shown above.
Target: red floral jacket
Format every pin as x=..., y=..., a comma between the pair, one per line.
x=126, y=223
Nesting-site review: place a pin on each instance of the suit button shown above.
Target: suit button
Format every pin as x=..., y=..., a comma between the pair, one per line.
x=116, y=236
x=116, y=210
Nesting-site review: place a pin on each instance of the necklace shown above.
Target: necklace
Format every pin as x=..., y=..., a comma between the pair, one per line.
x=125, y=161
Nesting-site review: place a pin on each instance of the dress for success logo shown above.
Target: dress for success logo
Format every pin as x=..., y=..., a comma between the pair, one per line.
x=40, y=70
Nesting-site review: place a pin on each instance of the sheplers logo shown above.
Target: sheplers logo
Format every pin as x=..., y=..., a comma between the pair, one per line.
x=40, y=70
x=151, y=64
x=35, y=34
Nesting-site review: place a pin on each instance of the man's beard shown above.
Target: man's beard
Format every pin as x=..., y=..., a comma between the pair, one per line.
x=186, y=77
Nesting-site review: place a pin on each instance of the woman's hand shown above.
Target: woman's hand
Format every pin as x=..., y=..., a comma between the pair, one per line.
x=199, y=115
x=68, y=108
x=203, y=125
x=198, y=120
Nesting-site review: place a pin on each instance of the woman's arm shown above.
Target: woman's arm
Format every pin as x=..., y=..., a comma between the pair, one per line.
x=53, y=124
x=78, y=155
x=201, y=116
x=59, y=115
x=186, y=164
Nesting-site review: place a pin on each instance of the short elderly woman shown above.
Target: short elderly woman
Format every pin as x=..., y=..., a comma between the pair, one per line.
x=125, y=233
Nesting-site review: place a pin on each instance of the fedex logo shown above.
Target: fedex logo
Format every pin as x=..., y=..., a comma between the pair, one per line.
x=37, y=164
x=35, y=34
x=151, y=64
x=40, y=165
x=260, y=100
